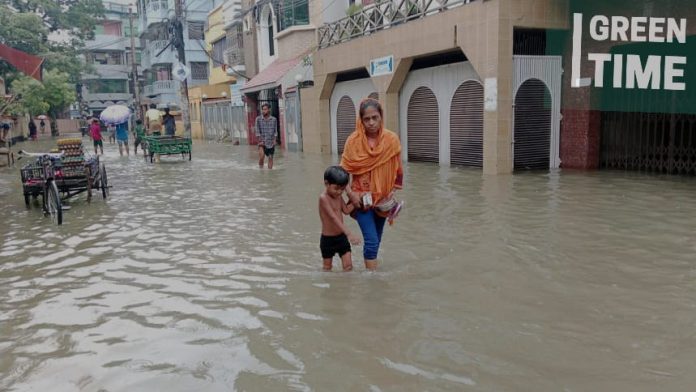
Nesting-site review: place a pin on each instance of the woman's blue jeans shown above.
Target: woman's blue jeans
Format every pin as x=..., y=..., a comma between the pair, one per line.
x=372, y=226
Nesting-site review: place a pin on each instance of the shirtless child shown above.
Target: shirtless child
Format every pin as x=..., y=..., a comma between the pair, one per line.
x=335, y=237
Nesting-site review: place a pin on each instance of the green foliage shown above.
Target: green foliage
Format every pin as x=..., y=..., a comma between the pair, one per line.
x=53, y=96
x=76, y=16
x=28, y=33
x=31, y=90
x=23, y=31
x=59, y=93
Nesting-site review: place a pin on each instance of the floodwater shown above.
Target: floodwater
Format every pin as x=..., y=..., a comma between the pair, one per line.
x=205, y=276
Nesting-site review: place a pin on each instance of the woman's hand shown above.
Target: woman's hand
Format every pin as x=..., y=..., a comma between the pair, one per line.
x=354, y=198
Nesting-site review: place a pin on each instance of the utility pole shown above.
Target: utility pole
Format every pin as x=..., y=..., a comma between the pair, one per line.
x=136, y=93
x=178, y=40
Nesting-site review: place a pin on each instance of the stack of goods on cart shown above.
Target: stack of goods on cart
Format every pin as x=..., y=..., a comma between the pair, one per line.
x=73, y=157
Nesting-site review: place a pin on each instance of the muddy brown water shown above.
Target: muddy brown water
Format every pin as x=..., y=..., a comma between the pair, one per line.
x=205, y=276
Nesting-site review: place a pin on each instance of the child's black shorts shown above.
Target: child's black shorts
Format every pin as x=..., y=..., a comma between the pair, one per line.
x=330, y=245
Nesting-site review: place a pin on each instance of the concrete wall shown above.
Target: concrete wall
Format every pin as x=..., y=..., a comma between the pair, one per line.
x=295, y=40
x=483, y=30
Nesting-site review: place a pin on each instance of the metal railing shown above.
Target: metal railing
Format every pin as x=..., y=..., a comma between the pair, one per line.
x=115, y=7
x=381, y=15
x=158, y=5
x=224, y=122
x=162, y=87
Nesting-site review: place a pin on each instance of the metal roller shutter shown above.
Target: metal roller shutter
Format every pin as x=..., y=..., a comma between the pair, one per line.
x=345, y=121
x=466, y=125
x=423, y=123
x=532, y=135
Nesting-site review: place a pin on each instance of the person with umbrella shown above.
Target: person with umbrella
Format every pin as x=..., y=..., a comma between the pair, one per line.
x=118, y=114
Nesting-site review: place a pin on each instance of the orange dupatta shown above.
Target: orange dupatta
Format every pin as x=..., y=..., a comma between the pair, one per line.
x=376, y=170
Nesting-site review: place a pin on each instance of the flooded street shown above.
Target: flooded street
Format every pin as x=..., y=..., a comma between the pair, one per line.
x=205, y=276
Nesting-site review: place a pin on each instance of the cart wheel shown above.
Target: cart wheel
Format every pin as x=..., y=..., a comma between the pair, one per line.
x=53, y=206
x=104, y=182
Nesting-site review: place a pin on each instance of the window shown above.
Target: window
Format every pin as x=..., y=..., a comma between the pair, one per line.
x=292, y=13
x=128, y=58
x=115, y=58
x=112, y=28
x=196, y=30
x=126, y=30
x=199, y=71
x=219, y=48
x=106, y=86
x=271, y=47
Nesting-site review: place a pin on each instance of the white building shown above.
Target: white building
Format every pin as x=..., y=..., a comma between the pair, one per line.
x=110, y=82
x=159, y=60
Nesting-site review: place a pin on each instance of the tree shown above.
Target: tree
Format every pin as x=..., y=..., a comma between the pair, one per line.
x=29, y=32
x=32, y=92
x=54, y=96
x=58, y=92
x=77, y=17
x=23, y=31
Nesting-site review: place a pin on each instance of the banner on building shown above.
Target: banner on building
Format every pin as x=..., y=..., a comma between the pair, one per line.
x=632, y=55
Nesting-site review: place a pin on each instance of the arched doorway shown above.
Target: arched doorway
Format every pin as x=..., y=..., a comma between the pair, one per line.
x=466, y=125
x=532, y=131
x=345, y=121
x=423, y=124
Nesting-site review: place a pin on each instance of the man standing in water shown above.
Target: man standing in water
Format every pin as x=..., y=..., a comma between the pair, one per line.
x=266, y=133
x=169, y=123
x=153, y=119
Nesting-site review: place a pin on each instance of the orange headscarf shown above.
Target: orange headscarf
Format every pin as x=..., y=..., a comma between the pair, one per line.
x=376, y=170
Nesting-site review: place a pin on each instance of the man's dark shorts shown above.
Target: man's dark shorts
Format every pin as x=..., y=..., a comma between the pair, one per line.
x=268, y=151
x=98, y=143
x=138, y=141
x=330, y=245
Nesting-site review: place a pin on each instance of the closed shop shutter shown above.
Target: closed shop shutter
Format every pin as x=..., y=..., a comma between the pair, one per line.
x=345, y=121
x=466, y=125
x=423, y=124
x=532, y=134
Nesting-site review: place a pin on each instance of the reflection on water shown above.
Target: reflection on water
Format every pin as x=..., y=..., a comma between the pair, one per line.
x=205, y=276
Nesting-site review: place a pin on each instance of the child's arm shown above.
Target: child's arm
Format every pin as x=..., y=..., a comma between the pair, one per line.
x=347, y=208
x=325, y=206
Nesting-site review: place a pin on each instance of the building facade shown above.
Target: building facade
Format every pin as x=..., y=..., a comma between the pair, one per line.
x=159, y=59
x=109, y=54
x=488, y=84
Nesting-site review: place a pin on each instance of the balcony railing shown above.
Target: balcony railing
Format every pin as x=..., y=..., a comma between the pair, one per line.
x=162, y=87
x=381, y=15
x=156, y=47
x=156, y=11
x=235, y=56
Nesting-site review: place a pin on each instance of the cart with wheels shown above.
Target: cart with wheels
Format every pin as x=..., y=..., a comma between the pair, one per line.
x=167, y=145
x=59, y=176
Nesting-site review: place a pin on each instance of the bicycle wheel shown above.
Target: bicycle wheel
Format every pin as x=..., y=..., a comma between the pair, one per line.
x=104, y=182
x=53, y=207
